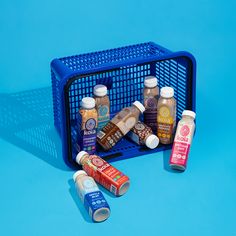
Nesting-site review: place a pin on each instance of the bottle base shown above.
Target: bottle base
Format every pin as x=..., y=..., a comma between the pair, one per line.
x=177, y=167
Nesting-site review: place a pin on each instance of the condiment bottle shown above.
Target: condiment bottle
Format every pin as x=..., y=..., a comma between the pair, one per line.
x=102, y=105
x=182, y=141
x=88, y=123
x=120, y=125
x=104, y=173
x=142, y=135
x=92, y=198
x=166, y=118
x=150, y=95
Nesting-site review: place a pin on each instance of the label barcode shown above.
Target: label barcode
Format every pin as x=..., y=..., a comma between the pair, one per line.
x=100, y=134
x=113, y=189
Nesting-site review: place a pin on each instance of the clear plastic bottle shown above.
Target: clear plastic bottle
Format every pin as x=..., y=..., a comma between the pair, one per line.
x=142, y=135
x=120, y=125
x=102, y=105
x=166, y=115
x=92, y=198
x=104, y=173
x=150, y=95
x=88, y=124
x=182, y=141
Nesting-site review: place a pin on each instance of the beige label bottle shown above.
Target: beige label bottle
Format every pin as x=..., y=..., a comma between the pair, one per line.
x=150, y=96
x=166, y=118
x=102, y=105
x=120, y=125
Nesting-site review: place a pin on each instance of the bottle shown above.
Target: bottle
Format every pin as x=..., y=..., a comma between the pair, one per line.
x=88, y=123
x=142, y=135
x=166, y=110
x=150, y=95
x=92, y=198
x=182, y=141
x=102, y=105
x=104, y=173
x=120, y=125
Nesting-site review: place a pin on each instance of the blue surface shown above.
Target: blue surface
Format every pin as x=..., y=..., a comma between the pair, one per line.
x=36, y=193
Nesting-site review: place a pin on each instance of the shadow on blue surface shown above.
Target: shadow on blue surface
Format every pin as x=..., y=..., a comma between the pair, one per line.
x=166, y=166
x=79, y=204
x=26, y=120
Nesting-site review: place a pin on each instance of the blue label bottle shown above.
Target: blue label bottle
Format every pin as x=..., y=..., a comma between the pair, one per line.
x=92, y=198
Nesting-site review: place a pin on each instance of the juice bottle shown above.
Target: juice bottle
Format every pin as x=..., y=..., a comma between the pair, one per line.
x=182, y=141
x=104, y=173
x=120, y=125
x=102, y=105
x=166, y=118
x=92, y=198
x=142, y=135
x=88, y=123
x=150, y=95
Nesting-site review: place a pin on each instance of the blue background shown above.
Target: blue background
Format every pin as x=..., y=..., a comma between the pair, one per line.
x=37, y=195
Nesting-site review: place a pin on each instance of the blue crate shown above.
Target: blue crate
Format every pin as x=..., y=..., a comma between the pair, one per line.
x=123, y=71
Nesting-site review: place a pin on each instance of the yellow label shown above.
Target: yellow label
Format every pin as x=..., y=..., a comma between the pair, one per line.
x=164, y=116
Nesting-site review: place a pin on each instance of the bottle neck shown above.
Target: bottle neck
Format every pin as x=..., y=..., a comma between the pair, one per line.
x=83, y=108
x=188, y=118
x=136, y=109
x=84, y=159
x=80, y=176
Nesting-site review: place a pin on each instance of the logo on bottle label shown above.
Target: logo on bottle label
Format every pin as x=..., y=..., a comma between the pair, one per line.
x=103, y=110
x=139, y=126
x=130, y=122
x=90, y=124
x=184, y=131
x=97, y=161
x=151, y=102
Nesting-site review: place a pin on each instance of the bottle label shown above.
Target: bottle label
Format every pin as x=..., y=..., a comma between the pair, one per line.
x=109, y=136
x=182, y=142
x=150, y=113
x=165, y=125
x=139, y=133
x=104, y=173
x=88, y=134
x=103, y=116
x=85, y=186
x=94, y=201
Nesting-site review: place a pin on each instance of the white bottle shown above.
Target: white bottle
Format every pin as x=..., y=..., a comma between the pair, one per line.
x=91, y=196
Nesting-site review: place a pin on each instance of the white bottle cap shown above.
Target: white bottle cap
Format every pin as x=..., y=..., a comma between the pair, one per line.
x=152, y=141
x=77, y=173
x=139, y=105
x=87, y=103
x=150, y=81
x=167, y=92
x=189, y=113
x=100, y=90
x=79, y=156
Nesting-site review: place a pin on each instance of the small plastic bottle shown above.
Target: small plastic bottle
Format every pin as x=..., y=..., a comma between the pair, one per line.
x=166, y=115
x=142, y=135
x=88, y=125
x=104, y=173
x=182, y=141
x=119, y=126
x=92, y=198
x=102, y=105
x=150, y=95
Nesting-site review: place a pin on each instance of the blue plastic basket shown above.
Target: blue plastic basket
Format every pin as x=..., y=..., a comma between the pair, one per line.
x=123, y=71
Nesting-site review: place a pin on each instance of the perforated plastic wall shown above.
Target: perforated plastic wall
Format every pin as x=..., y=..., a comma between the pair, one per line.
x=125, y=85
